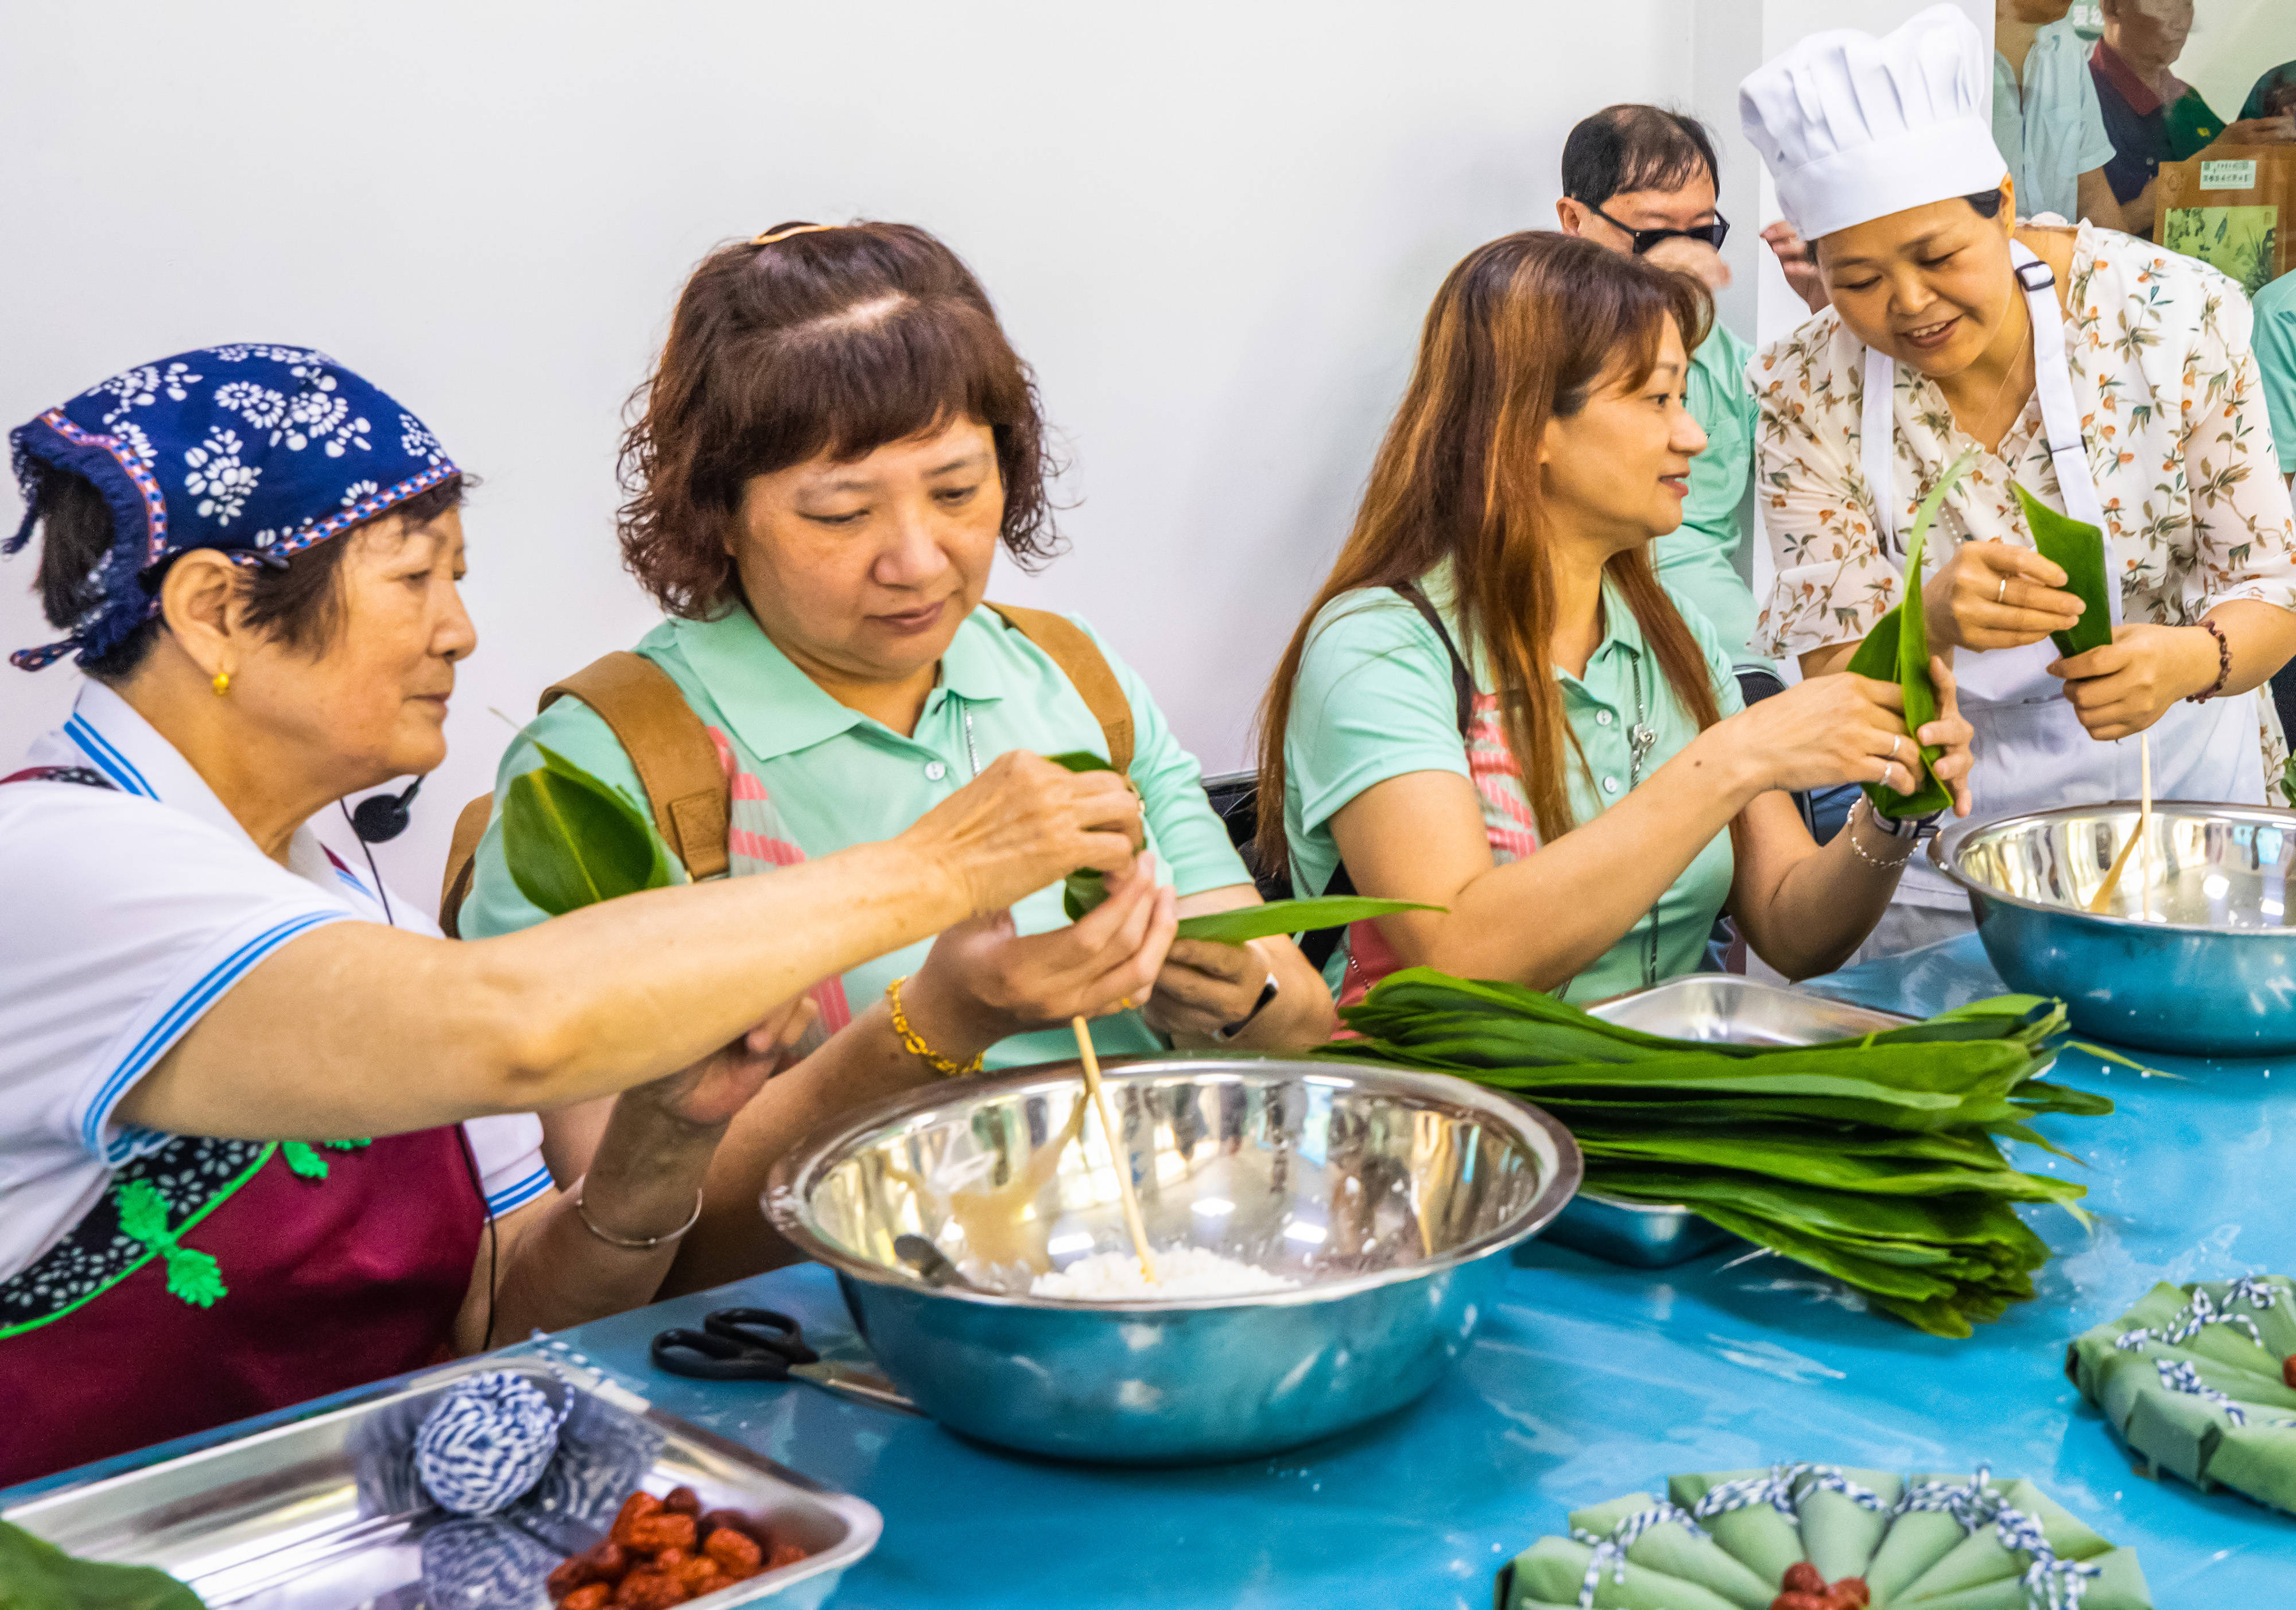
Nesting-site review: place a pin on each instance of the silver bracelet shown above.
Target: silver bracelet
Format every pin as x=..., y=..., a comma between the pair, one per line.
x=635, y=1244
x=1849, y=832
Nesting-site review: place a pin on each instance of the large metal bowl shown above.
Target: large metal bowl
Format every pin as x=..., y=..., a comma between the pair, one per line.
x=2192, y=954
x=1392, y=1197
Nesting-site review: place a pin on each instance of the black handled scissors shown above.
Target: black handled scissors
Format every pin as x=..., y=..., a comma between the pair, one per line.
x=765, y=1344
x=735, y=1344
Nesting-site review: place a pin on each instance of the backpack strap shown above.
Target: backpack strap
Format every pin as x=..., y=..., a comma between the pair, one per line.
x=1317, y=946
x=673, y=755
x=1071, y=647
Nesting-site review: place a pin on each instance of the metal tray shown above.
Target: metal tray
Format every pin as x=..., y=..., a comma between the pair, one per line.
x=1707, y=1007
x=325, y=1514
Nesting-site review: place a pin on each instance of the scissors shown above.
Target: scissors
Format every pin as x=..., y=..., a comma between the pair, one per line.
x=765, y=1344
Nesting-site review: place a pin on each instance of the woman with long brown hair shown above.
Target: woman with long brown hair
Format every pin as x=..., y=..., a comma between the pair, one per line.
x=1588, y=796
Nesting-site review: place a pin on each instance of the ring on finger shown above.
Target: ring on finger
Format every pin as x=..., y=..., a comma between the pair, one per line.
x=2001, y=595
x=1895, y=739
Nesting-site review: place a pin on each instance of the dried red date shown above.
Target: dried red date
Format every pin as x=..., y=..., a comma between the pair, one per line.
x=683, y=1501
x=2288, y=1371
x=737, y=1552
x=732, y=1520
x=702, y=1576
x=656, y=1532
x=636, y=1508
x=594, y=1595
x=1851, y=1593
x=1802, y=1577
x=649, y=1591
x=785, y=1554
x=570, y=1575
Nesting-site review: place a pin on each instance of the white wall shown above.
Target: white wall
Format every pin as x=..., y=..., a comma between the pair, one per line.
x=1213, y=227
x=2233, y=44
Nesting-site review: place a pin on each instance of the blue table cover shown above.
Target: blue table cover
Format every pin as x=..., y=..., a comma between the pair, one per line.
x=1592, y=1380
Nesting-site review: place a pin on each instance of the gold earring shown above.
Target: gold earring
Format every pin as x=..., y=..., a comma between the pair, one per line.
x=221, y=683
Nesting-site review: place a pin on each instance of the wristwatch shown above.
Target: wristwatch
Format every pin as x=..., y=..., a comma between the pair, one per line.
x=1267, y=992
x=1905, y=827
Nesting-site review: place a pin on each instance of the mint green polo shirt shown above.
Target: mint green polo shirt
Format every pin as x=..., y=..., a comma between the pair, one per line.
x=1375, y=700
x=1699, y=558
x=811, y=777
x=2276, y=356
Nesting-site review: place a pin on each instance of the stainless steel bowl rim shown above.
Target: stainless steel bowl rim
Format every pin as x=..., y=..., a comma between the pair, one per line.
x=1943, y=853
x=788, y=1185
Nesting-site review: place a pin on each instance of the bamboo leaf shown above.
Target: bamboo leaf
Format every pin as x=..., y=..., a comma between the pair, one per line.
x=572, y=841
x=1290, y=916
x=1898, y=650
x=2077, y=549
x=36, y=1574
x=1080, y=760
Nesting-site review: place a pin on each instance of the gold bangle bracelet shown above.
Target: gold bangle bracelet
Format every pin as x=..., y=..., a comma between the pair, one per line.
x=915, y=1044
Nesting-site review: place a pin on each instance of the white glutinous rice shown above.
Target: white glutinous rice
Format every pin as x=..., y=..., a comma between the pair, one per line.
x=1181, y=1271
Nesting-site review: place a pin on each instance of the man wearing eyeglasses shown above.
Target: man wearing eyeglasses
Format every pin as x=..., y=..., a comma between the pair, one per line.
x=1642, y=179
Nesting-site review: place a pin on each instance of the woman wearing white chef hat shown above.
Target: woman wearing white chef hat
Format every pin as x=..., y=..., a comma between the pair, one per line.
x=2111, y=378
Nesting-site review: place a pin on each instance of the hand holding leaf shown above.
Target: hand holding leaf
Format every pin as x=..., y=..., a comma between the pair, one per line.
x=572, y=841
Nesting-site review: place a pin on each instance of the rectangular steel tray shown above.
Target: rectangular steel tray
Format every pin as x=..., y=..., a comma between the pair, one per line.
x=325, y=1513
x=1708, y=1006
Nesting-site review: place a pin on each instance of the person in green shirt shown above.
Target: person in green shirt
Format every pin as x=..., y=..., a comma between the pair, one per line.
x=836, y=443
x=1494, y=705
x=2275, y=358
x=1644, y=180
x=2274, y=95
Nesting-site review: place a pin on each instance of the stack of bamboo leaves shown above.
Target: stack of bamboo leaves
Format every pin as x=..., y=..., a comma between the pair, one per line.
x=1874, y=1160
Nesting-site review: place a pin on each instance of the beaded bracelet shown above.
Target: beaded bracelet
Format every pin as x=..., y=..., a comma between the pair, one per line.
x=2223, y=664
x=915, y=1044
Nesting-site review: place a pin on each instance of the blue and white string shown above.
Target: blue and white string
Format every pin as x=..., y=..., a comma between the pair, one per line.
x=2202, y=1312
x=2050, y=1583
x=1611, y=1550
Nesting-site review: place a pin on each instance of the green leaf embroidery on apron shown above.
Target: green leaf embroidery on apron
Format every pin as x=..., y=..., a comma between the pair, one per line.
x=192, y=1274
x=305, y=1160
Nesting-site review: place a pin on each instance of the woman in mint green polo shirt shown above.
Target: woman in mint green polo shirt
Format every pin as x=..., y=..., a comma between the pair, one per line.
x=1592, y=795
x=837, y=441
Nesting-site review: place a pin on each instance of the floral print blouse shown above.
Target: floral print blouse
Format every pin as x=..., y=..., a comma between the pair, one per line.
x=2173, y=410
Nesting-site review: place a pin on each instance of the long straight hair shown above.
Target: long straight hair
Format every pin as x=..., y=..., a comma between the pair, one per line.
x=1523, y=332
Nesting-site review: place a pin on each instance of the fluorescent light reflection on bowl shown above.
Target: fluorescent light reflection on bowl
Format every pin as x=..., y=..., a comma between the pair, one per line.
x=1301, y=1230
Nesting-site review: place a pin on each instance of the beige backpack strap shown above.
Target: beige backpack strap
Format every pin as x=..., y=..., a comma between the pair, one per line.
x=1071, y=647
x=676, y=759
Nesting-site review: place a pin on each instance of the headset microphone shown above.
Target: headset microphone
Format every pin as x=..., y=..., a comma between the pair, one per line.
x=383, y=816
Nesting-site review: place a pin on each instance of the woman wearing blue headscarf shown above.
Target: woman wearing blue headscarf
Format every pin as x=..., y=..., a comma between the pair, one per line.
x=258, y=1113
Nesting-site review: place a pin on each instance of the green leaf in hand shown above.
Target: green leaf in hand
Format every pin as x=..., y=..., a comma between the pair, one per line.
x=1898, y=650
x=1290, y=916
x=572, y=841
x=2075, y=548
x=1080, y=760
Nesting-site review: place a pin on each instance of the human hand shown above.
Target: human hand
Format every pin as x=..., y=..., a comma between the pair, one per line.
x=1697, y=258
x=1024, y=823
x=1847, y=728
x=2258, y=131
x=1205, y=986
x=983, y=982
x=707, y=1095
x=2129, y=683
x=1799, y=262
x=1995, y=595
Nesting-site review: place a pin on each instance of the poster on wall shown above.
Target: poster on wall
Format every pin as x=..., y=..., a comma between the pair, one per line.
x=2234, y=209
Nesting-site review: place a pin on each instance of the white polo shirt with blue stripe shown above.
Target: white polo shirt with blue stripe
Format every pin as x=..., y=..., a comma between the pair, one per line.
x=124, y=913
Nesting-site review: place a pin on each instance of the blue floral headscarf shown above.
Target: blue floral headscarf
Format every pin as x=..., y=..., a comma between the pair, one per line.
x=257, y=451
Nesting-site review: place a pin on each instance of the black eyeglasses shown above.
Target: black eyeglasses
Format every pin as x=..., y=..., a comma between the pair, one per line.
x=1713, y=234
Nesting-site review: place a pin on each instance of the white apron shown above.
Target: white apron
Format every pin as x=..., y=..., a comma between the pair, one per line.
x=2032, y=752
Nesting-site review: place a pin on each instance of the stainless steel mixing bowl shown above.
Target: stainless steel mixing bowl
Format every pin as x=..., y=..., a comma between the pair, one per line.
x=2194, y=953
x=1391, y=1197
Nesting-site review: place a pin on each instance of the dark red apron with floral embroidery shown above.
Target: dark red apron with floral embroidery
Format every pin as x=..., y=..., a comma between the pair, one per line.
x=330, y=1282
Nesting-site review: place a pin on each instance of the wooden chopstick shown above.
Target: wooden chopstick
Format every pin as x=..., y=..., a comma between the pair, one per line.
x=1119, y=1153
x=2103, y=896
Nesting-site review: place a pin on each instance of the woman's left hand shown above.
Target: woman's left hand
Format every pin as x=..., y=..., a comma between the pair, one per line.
x=1951, y=735
x=1204, y=987
x=2130, y=683
x=706, y=1095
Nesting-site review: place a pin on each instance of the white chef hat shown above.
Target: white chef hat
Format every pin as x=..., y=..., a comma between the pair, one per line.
x=1853, y=127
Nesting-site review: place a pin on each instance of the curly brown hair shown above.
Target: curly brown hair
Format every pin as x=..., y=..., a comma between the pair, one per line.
x=834, y=341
